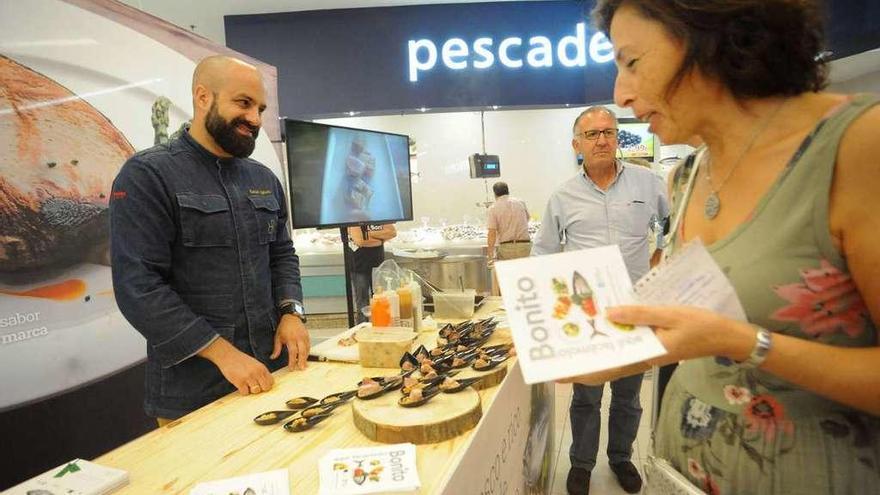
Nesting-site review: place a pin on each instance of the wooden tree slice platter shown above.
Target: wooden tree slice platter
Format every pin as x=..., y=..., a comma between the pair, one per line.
x=491, y=378
x=442, y=418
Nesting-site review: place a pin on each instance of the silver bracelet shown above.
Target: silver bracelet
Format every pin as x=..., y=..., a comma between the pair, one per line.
x=763, y=344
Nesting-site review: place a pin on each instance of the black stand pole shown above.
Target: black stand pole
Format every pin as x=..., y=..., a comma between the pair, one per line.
x=346, y=254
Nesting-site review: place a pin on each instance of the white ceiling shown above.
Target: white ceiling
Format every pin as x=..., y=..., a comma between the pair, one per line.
x=205, y=17
x=208, y=21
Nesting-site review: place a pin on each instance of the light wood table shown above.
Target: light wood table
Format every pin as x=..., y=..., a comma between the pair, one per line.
x=221, y=440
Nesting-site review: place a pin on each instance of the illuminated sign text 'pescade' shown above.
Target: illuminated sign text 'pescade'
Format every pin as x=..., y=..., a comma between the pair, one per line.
x=455, y=54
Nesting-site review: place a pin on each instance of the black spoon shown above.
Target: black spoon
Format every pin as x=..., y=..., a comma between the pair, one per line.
x=301, y=402
x=273, y=417
x=427, y=394
x=302, y=424
x=491, y=364
x=338, y=397
x=462, y=384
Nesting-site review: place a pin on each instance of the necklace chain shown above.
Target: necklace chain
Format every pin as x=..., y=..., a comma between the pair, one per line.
x=713, y=202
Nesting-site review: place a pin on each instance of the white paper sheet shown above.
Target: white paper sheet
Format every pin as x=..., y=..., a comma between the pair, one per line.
x=77, y=477
x=266, y=483
x=690, y=278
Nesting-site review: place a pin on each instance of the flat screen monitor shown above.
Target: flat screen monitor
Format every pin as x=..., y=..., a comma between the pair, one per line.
x=635, y=140
x=343, y=176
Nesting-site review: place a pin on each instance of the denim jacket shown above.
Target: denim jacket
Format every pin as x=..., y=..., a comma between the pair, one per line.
x=200, y=249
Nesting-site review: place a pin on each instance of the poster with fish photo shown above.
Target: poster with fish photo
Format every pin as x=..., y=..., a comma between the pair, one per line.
x=556, y=308
x=74, y=105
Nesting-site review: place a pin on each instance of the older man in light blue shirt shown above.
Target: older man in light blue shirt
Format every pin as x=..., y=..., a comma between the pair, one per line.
x=609, y=202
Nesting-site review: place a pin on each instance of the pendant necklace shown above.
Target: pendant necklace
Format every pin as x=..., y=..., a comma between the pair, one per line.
x=713, y=202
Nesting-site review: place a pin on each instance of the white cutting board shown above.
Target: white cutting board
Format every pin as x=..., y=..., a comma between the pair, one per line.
x=331, y=349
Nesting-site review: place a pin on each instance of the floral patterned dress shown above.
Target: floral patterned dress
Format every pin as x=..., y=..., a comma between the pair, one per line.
x=736, y=431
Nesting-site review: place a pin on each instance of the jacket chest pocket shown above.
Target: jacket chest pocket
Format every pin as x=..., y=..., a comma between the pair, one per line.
x=204, y=220
x=266, y=214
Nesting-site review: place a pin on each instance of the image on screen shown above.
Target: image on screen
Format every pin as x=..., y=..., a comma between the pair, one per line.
x=635, y=140
x=342, y=176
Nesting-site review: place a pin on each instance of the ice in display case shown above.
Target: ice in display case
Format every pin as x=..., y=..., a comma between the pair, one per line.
x=450, y=257
x=424, y=237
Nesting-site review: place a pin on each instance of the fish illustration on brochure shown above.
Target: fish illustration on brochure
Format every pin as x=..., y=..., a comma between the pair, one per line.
x=265, y=483
x=378, y=469
x=556, y=308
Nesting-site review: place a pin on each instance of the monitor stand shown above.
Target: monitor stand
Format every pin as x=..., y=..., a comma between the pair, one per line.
x=348, y=262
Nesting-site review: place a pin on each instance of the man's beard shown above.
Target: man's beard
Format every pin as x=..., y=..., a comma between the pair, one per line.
x=227, y=136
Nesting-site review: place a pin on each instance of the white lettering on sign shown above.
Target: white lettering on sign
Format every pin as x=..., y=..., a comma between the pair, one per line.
x=601, y=49
x=415, y=65
x=504, y=56
x=32, y=333
x=455, y=54
x=481, y=48
x=19, y=319
x=576, y=42
x=542, y=53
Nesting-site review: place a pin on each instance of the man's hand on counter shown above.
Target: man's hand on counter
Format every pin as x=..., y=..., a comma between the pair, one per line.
x=292, y=333
x=247, y=374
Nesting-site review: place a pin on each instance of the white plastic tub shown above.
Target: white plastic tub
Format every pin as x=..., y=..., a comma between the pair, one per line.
x=383, y=347
x=453, y=305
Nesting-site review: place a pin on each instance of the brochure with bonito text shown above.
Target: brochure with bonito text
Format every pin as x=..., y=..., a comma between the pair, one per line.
x=556, y=308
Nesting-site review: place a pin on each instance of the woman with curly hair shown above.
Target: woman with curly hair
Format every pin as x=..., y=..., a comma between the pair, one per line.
x=784, y=194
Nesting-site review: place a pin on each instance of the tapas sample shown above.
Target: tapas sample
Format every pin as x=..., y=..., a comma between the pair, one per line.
x=339, y=397
x=419, y=396
x=273, y=417
x=305, y=423
x=301, y=402
x=450, y=386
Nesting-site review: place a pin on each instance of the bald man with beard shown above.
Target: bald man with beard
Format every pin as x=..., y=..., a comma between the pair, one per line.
x=203, y=264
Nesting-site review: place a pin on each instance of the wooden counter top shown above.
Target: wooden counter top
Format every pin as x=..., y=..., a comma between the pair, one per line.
x=221, y=440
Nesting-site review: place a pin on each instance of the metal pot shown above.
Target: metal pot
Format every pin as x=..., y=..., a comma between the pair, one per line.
x=452, y=272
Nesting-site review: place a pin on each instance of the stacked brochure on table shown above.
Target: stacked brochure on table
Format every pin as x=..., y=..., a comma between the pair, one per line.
x=77, y=477
x=379, y=469
x=556, y=308
x=267, y=483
